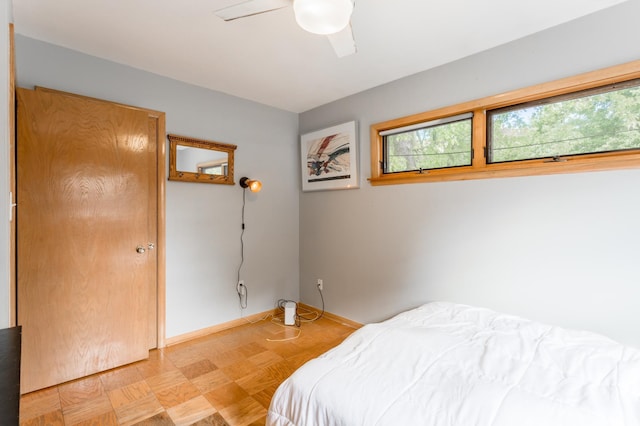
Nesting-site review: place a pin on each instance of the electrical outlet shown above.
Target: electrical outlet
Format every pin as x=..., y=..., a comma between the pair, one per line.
x=320, y=284
x=239, y=287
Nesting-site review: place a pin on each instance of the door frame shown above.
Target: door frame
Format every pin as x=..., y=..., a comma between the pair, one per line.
x=161, y=159
x=13, y=277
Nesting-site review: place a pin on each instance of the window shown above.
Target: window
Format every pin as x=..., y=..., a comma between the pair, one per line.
x=434, y=144
x=598, y=120
x=583, y=123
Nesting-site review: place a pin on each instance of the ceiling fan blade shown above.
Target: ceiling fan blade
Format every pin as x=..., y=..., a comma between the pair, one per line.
x=343, y=42
x=249, y=8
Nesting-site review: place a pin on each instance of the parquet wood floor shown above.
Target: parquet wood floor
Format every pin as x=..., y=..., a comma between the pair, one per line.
x=226, y=378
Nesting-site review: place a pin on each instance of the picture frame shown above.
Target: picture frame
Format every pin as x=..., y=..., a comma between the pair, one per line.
x=329, y=158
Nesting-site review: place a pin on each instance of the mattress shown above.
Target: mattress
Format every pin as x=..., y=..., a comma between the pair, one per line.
x=451, y=364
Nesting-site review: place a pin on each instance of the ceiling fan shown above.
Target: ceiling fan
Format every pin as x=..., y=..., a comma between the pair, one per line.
x=326, y=17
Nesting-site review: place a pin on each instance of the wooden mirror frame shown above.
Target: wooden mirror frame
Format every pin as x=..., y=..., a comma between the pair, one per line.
x=184, y=176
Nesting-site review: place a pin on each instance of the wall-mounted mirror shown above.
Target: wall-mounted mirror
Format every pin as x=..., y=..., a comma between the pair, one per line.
x=197, y=160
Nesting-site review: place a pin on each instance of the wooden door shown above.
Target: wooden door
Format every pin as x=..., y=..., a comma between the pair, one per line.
x=84, y=184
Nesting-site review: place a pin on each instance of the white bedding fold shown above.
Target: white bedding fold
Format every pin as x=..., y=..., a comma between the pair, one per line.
x=449, y=364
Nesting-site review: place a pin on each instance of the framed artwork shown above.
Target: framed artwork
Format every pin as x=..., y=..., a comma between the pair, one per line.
x=329, y=159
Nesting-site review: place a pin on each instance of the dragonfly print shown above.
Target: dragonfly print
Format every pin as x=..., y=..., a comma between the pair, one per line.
x=328, y=158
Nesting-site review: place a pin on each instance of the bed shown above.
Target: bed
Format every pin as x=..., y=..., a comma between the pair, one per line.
x=451, y=364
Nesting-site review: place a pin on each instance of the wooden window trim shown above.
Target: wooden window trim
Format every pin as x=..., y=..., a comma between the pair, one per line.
x=479, y=168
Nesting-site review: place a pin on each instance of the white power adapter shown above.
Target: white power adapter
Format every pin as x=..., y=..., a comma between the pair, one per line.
x=290, y=313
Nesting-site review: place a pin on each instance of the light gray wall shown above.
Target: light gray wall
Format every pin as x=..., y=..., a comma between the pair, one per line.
x=5, y=281
x=203, y=220
x=559, y=249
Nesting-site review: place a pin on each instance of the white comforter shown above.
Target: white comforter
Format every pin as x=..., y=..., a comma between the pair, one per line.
x=449, y=364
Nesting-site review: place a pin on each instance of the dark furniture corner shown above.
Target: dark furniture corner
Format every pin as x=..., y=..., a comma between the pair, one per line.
x=10, y=341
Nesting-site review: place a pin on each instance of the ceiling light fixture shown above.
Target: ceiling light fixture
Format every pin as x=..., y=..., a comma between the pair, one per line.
x=323, y=16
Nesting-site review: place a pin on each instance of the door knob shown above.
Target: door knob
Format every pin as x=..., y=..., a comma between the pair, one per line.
x=140, y=249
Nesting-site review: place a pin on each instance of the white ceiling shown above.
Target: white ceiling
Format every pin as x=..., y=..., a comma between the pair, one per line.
x=267, y=58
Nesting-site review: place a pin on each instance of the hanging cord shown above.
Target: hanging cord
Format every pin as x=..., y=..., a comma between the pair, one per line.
x=269, y=315
x=299, y=331
x=243, y=293
x=317, y=316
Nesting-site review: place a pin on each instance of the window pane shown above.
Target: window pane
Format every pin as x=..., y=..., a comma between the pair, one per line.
x=600, y=120
x=435, y=147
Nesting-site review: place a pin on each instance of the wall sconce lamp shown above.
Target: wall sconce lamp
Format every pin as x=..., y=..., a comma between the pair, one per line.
x=252, y=184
